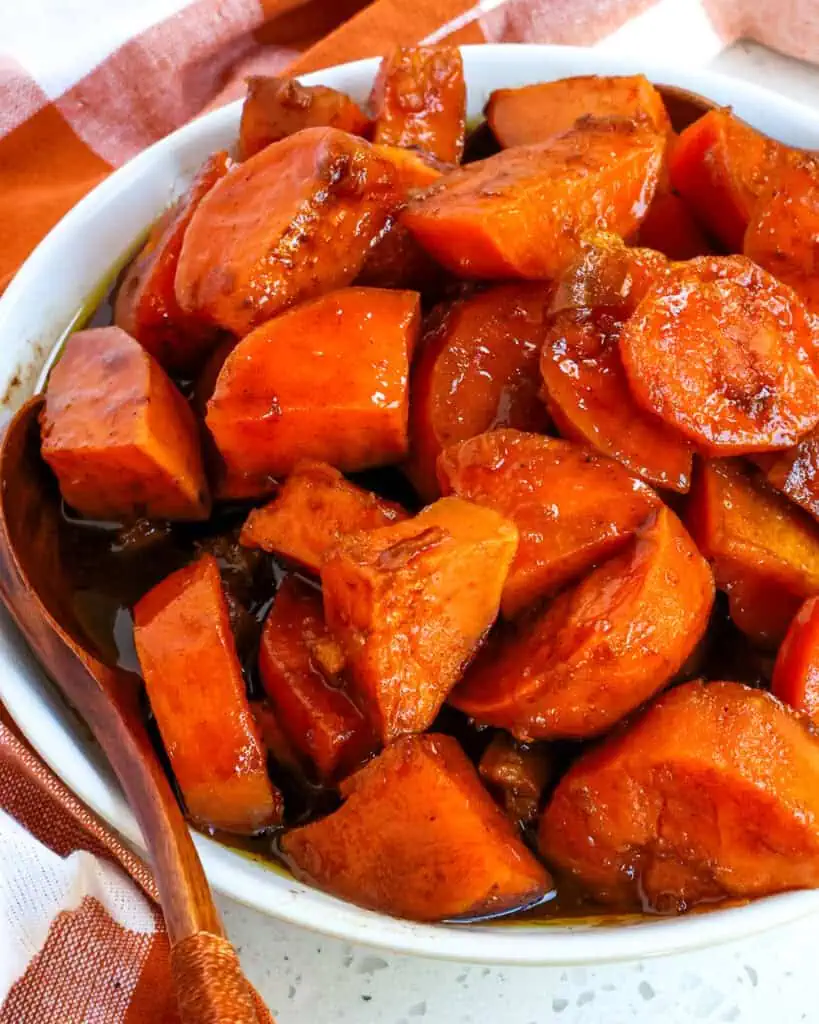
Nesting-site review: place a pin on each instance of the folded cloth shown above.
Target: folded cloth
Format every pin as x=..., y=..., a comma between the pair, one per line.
x=85, y=85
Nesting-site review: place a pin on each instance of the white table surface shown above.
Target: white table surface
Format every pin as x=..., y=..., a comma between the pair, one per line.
x=306, y=978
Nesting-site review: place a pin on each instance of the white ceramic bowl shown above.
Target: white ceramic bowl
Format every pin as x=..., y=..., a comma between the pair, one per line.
x=43, y=301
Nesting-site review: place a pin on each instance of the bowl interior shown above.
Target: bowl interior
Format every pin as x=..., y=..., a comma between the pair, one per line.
x=51, y=292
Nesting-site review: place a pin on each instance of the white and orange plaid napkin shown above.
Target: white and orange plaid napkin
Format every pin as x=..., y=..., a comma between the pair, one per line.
x=84, y=86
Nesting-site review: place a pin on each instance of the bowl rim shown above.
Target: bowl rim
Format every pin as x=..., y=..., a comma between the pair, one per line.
x=230, y=872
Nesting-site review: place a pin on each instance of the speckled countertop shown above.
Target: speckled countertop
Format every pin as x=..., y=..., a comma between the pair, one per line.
x=308, y=979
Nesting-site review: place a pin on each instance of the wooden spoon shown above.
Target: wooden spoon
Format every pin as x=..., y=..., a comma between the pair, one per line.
x=210, y=986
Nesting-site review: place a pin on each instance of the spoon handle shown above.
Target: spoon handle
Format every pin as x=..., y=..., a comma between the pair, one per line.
x=210, y=986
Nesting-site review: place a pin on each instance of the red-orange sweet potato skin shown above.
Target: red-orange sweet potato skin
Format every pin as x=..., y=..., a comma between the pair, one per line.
x=573, y=508
x=795, y=677
x=277, y=107
x=120, y=438
x=535, y=113
x=292, y=222
x=197, y=693
x=297, y=663
x=419, y=100
x=602, y=647
x=477, y=369
x=411, y=604
x=522, y=212
x=313, y=511
x=327, y=381
x=418, y=837
x=689, y=804
x=146, y=305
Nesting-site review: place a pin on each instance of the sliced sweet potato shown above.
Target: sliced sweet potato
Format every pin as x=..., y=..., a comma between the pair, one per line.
x=795, y=472
x=521, y=212
x=689, y=804
x=411, y=603
x=796, y=672
x=720, y=166
x=209, y=374
x=327, y=380
x=277, y=107
x=602, y=647
x=584, y=383
x=315, y=508
x=764, y=551
x=418, y=836
x=300, y=665
x=572, y=507
x=197, y=693
x=419, y=101
x=517, y=773
x=120, y=438
x=275, y=738
x=783, y=232
x=293, y=221
x=477, y=370
x=146, y=305
x=670, y=228
x=535, y=113
x=724, y=354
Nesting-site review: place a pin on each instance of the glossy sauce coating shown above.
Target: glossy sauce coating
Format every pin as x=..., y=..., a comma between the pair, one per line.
x=796, y=672
x=517, y=773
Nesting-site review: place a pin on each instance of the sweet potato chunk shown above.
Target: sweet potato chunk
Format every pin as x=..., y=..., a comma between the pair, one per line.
x=197, y=693
x=764, y=551
x=146, y=306
x=411, y=603
x=724, y=354
x=274, y=737
x=713, y=792
x=293, y=221
x=518, y=774
x=315, y=508
x=721, y=166
x=419, y=100
x=783, y=233
x=585, y=386
x=418, y=837
x=796, y=672
x=477, y=370
x=277, y=107
x=327, y=380
x=572, y=507
x=670, y=229
x=535, y=113
x=602, y=647
x=795, y=472
x=521, y=212
x=300, y=666
x=119, y=437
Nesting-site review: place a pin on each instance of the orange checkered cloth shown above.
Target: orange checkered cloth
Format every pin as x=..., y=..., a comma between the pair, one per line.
x=84, y=86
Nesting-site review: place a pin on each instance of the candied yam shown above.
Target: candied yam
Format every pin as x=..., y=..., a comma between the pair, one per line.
x=292, y=222
x=418, y=836
x=518, y=773
x=277, y=107
x=724, y=354
x=795, y=472
x=274, y=737
x=535, y=113
x=327, y=381
x=670, y=229
x=572, y=507
x=720, y=166
x=521, y=212
x=145, y=306
x=764, y=551
x=477, y=370
x=300, y=666
x=585, y=385
x=419, y=101
x=197, y=693
x=796, y=672
x=120, y=438
x=600, y=648
x=783, y=232
x=313, y=511
x=713, y=792
x=411, y=603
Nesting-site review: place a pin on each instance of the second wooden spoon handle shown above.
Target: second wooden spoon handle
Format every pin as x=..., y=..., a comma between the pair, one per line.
x=210, y=986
